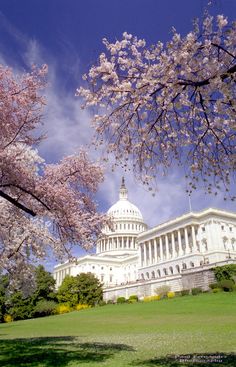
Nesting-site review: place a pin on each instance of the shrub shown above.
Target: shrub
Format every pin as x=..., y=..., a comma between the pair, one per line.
x=213, y=285
x=44, y=308
x=225, y=272
x=80, y=307
x=121, y=300
x=227, y=285
x=170, y=294
x=8, y=318
x=196, y=291
x=152, y=298
x=102, y=303
x=185, y=292
x=162, y=291
x=133, y=298
x=63, y=308
x=110, y=302
x=216, y=290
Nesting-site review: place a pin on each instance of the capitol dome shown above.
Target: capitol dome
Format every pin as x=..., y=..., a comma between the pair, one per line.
x=120, y=239
x=123, y=208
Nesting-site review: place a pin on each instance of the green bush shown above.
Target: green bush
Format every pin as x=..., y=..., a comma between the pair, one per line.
x=110, y=302
x=225, y=272
x=185, y=292
x=196, y=291
x=162, y=291
x=216, y=290
x=102, y=303
x=44, y=308
x=85, y=288
x=133, y=298
x=227, y=285
x=213, y=285
x=121, y=300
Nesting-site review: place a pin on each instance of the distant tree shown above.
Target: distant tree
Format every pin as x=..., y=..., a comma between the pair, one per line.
x=41, y=205
x=44, y=285
x=90, y=289
x=85, y=288
x=4, y=283
x=68, y=291
x=170, y=103
x=19, y=306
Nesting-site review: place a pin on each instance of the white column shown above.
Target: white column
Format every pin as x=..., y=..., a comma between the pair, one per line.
x=180, y=243
x=161, y=249
x=140, y=262
x=150, y=251
x=167, y=247
x=194, y=239
x=155, y=250
x=187, y=248
x=144, y=254
x=173, y=245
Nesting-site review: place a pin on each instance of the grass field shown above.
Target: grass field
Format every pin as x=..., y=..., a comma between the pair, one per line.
x=184, y=331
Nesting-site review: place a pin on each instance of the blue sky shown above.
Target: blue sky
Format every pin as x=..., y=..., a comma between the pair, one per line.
x=67, y=35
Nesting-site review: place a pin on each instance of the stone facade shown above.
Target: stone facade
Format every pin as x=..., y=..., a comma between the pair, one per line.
x=131, y=259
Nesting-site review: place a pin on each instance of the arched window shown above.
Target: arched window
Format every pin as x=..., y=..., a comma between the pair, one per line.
x=147, y=275
x=184, y=266
x=192, y=264
x=177, y=268
x=165, y=271
x=158, y=273
x=171, y=270
x=142, y=276
x=153, y=274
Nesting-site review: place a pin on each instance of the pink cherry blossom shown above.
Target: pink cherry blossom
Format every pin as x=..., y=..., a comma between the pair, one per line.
x=42, y=206
x=170, y=104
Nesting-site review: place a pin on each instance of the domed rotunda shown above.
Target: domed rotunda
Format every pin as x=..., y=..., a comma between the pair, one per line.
x=127, y=224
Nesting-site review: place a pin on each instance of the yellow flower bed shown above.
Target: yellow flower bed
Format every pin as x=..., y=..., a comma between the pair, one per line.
x=151, y=298
x=82, y=307
x=171, y=294
x=8, y=318
x=62, y=309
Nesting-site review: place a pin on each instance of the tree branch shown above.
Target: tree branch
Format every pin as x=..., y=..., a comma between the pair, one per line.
x=17, y=204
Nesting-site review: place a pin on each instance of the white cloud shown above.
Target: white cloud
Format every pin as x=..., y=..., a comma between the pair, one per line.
x=68, y=127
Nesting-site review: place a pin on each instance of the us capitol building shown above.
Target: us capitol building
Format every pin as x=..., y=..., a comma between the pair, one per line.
x=132, y=259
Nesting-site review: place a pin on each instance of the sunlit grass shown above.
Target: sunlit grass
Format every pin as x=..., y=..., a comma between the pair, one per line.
x=141, y=334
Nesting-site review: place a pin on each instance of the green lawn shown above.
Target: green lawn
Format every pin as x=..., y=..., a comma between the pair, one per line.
x=184, y=331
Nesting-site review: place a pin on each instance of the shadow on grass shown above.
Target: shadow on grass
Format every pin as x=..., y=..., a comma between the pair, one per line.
x=54, y=351
x=191, y=360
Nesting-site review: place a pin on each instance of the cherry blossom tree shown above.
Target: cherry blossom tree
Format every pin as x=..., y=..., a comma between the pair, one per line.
x=168, y=104
x=42, y=206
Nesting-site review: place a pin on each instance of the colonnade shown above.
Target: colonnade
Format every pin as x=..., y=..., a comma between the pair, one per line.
x=116, y=243
x=60, y=275
x=169, y=246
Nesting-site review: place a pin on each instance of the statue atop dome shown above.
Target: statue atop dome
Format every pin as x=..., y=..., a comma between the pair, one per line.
x=123, y=195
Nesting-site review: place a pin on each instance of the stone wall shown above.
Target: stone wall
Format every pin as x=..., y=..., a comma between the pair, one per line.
x=199, y=279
